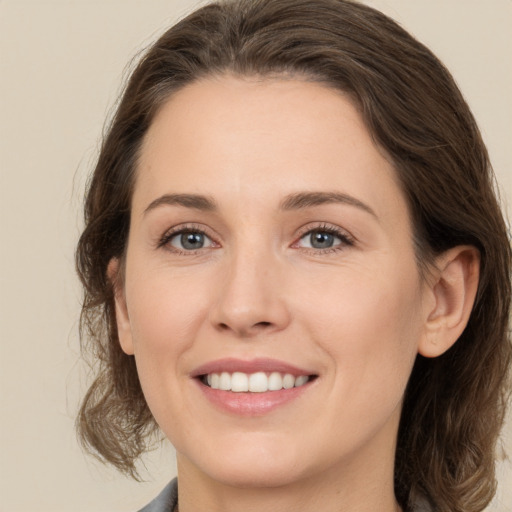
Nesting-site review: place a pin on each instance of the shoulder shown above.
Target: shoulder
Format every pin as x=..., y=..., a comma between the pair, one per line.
x=166, y=501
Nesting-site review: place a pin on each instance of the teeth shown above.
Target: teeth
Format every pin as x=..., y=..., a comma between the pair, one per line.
x=275, y=381
x=300, y=381
x=225, y=381
x=215, y=381
x=288, y=381
x=258, y=382
x=239, y=382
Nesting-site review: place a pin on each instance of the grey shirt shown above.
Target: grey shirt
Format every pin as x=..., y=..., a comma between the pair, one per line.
x=166, y=501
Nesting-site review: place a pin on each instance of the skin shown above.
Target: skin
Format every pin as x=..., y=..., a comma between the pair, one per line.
x=355, y=314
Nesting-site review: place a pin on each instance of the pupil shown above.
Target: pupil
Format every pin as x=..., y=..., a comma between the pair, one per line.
x=192, y=240
x=321, y=240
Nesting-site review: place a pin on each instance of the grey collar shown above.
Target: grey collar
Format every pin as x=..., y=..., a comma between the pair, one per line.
x=166, y=501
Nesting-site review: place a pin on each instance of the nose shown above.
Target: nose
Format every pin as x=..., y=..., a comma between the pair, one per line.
x=252, y=296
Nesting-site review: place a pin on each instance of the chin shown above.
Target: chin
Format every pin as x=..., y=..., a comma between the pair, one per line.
x=253, y=464
x=256, y=475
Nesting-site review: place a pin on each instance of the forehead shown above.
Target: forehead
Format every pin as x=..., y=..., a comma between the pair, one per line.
x=250, y=138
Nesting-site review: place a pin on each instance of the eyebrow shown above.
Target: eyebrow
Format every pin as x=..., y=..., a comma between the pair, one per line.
x=195, y=201
x=295, y=201
x=301, y=200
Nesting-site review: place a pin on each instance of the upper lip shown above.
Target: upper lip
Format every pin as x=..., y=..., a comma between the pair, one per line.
x=232, y=365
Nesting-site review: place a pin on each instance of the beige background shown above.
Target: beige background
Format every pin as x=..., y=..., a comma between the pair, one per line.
x=60, y=72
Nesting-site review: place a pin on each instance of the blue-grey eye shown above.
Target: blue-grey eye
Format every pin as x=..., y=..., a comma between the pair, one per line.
x=190, y=241
x=320, y=239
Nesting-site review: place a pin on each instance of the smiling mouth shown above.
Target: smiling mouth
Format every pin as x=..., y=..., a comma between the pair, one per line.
x=259, y=382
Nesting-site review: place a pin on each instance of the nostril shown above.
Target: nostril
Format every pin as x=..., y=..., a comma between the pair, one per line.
x=262, y=324
x=244, y=331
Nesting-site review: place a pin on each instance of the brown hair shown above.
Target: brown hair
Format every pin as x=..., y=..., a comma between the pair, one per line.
x=454, y=404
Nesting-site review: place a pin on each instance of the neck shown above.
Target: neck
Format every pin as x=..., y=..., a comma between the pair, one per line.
x=365, y=488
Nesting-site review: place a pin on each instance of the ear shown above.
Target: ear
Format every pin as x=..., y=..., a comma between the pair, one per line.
x=453, y=288
x=124, y=331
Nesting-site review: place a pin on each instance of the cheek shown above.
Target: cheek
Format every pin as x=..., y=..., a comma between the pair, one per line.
x=369, y=322
x=165, y=316
x=165, y=313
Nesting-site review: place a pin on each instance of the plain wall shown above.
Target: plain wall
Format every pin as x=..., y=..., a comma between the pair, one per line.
x=61, y=67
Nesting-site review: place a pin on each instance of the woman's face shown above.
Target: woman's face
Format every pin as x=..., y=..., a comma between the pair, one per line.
x=269, y=237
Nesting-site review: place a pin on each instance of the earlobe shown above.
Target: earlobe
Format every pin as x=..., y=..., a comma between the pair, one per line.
x=454, y=287
x=124, y=331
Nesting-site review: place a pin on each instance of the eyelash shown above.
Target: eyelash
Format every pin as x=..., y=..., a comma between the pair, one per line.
x=346, y=240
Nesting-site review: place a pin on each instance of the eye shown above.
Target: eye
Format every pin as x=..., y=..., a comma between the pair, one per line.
x=187, y=240
x=324, y=238
x=320, y=240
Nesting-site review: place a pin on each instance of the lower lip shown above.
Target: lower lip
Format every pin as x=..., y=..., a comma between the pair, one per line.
x=252, y=404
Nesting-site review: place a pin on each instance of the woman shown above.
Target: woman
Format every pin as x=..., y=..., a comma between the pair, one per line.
x=296, y=268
